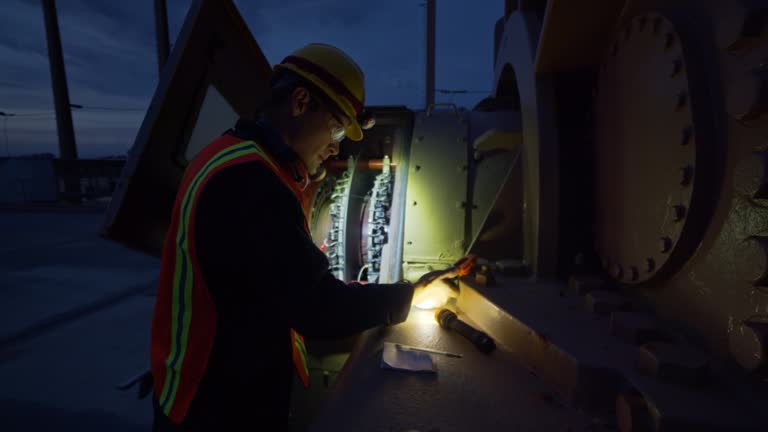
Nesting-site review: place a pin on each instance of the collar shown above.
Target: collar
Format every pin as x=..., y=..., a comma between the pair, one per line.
x=264, y=133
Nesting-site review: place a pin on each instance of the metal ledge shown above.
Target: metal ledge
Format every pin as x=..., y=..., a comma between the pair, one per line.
x=476, y=392
x=586, y=355
x=552, y=335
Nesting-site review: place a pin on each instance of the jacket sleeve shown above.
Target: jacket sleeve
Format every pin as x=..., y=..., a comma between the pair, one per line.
x=253, y=248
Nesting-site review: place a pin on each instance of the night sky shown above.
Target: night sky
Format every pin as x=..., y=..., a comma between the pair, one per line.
x=111, y=59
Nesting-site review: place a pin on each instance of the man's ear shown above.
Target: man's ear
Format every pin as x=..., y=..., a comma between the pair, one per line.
x=299, y=101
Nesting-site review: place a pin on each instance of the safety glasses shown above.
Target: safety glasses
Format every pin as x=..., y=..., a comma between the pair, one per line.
x=366, y=120
x=338, y=133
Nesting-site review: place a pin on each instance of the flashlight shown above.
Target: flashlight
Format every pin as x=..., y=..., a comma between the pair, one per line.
x=448, y=320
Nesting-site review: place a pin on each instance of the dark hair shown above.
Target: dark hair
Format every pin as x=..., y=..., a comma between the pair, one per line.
x=284, y=82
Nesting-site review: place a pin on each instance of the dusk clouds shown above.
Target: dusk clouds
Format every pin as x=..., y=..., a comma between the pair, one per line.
x=111, y=60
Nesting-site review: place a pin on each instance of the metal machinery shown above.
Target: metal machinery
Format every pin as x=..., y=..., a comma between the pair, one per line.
x=378, y=215
x=644, y=142
x=623, y=150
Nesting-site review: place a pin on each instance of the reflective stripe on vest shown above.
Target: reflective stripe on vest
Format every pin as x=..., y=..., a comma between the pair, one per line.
x=184, y=273
x=300, y=356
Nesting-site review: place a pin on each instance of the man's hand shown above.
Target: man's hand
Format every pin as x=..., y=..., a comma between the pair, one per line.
x=433, y=289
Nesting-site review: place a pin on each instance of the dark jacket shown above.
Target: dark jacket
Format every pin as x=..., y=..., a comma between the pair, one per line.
x=266, y=276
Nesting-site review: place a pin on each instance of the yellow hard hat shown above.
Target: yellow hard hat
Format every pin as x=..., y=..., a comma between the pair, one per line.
x=336, y=74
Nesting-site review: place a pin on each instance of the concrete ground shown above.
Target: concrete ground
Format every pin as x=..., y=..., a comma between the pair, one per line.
x=75, y=313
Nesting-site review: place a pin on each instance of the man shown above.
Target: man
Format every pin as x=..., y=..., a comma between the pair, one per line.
x=241, y=280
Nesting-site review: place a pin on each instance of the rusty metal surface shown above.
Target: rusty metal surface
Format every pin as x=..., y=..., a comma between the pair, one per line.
x=515, y=79
x=722, y=284
x=741, y=34
x=649, y=152
x=477, y=392
x=553, y=335
x=749, y=344
x=574, y=351
x=673, y=363
x=604, y=302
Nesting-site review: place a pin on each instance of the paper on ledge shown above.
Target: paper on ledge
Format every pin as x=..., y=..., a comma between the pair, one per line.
x=395, y=357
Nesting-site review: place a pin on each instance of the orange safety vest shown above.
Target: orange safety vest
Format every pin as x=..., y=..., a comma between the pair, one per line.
x=184, y=322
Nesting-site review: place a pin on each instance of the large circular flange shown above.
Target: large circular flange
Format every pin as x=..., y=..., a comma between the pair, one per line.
x=647, y=152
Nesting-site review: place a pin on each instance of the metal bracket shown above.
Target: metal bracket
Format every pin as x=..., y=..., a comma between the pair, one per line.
x=497, y=141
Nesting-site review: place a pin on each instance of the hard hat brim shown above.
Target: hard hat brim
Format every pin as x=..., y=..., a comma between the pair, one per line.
x=354, y=131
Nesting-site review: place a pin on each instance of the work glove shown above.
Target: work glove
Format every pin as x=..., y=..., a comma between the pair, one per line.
x=434, y=289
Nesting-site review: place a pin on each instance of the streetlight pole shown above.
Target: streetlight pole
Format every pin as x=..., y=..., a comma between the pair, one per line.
x=5, y=116
x=161, y=33
x=431, y=30
x=67, y=147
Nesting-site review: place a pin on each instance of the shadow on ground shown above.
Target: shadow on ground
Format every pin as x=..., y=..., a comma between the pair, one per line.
x=32, y=416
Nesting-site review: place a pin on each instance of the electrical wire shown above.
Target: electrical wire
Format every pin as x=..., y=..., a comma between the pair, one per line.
x=360, y=273
x=94, y=108
x=449, y=91
x=81, y=108
x=38, y=117
x=35, y=114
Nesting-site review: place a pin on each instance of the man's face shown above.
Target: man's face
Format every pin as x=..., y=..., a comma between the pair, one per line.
x=312, y=132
